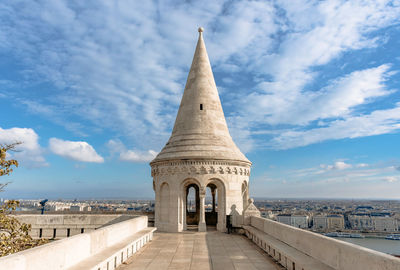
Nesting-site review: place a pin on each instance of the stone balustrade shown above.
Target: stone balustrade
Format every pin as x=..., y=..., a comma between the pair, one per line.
x=104, y=248
x=298, y=249
x=58, y=226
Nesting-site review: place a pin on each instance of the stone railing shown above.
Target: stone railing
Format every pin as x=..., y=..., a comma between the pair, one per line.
x=299, y=249
x=58, y=226
x=104, y=248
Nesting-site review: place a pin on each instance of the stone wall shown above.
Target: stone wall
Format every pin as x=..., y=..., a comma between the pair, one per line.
x=80, y=251
x=172, y=178
x=61, y=226
x=334, y=253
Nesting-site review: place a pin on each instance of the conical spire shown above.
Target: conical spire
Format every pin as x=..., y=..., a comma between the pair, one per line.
x=200, y=130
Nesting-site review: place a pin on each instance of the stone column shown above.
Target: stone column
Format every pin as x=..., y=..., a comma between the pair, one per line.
x=157, y=207
x=185, y=210
x=202, y=222
x=213, y=199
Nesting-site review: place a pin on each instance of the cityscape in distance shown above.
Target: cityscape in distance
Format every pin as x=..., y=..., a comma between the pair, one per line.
x=349, y=218
x=369, y=223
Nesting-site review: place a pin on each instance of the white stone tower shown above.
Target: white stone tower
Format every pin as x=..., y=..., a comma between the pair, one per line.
x=200, y=154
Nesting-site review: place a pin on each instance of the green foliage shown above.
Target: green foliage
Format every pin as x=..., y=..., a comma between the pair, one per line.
x=14, y=235
x=6, y=165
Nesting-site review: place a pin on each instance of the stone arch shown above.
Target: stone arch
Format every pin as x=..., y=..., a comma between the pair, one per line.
x=211, y=213
x=183, y=213
x=192, y=189
x=192, y=215
x=164, y=202
x=221, y=202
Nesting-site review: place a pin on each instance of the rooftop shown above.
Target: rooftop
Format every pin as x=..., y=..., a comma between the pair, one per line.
x=200, y=130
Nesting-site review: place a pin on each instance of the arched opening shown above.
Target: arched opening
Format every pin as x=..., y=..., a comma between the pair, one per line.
x=245, y=194
x=220, y=211
x=192, y=204
x=211, y=205
x=164, y=203
x=197, y=203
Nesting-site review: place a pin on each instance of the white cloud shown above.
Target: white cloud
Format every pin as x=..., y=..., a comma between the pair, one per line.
x=362, y=165
x=27, y=136
x=390, y=179
x=116, y=146
x=313, y=40
x=340, y=96
x=132, y=83
x=338, y=165
x=29, y=153
x=375, y=123
x=134, y=80
x=337, y=99
x=75, y=150
x=130, y=155
x=341, y=165
x=325, y=181
x=288, y=95
x=57, y=115
x=341, y=171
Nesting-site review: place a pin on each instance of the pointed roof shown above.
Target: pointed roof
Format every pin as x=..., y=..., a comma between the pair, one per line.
x=200, y=130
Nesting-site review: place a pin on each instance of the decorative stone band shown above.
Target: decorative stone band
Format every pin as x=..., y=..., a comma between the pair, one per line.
x=193, y=167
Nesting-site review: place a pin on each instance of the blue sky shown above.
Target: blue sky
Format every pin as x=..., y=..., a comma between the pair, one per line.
x=310, y=90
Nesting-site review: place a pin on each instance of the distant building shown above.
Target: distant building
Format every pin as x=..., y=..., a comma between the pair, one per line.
x=87, y=208
x=385, y=224
x=363, y=208
x=299, y=221
x=361, y=222
x=75, y=208
x=335, y=222
x=284, y=218
x=320, y=222
x=381, y=222
x=268, y=214
x=57, y=206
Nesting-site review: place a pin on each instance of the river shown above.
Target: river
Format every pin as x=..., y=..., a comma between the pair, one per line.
x=382, y=245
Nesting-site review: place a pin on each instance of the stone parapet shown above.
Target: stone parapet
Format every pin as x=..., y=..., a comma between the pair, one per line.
x=105, y=248
x=65, y=225
x=295, y=248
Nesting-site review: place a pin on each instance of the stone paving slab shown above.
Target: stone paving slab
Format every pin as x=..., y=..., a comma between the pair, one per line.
x=200, y=251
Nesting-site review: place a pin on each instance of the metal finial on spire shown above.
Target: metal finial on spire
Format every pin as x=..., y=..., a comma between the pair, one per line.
x=201, y=30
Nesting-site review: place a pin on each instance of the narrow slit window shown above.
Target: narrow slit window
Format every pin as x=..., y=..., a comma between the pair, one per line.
x=201, y=107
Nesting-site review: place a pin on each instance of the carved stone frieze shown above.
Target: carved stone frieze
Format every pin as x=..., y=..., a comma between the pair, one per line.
x=198, y=167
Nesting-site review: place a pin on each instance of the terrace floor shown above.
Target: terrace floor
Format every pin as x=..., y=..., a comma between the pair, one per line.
x=200, y=250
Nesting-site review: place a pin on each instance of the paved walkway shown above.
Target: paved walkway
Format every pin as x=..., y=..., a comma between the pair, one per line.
x=195, y=250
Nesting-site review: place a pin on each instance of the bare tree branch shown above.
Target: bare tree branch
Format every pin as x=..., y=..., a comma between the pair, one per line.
x=3, y=185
